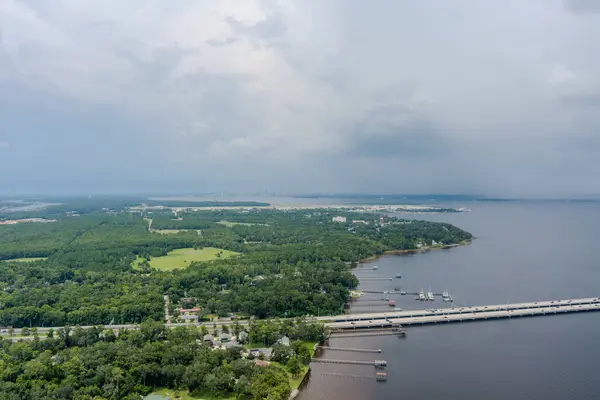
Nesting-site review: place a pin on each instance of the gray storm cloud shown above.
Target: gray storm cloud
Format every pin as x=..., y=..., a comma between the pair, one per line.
x=494, y=97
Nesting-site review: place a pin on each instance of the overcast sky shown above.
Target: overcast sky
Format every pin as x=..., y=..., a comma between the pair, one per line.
x=490, y=97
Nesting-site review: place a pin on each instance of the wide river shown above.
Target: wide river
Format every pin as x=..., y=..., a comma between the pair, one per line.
x=523, y=252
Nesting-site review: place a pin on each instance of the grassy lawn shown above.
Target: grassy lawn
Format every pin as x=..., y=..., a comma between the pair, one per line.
x=181, y=258
x=186, y=395
x=27, y=259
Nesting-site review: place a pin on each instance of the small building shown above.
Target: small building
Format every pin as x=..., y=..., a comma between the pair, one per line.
x=225, y=337
x=262, y=363
x=228, y=345
x=188, y=300
x=265, y=352
x=339, y=219
x=188, y=311
x=359, y=221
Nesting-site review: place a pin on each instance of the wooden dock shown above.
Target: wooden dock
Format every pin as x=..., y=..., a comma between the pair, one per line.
x=375, y=363
x=348, y=335
x=350, y=349
x=353, y=376
x=376, y=278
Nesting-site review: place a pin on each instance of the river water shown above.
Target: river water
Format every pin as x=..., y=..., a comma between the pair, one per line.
x=523, y=252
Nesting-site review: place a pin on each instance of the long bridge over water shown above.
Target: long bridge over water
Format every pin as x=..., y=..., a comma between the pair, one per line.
x=461, y=314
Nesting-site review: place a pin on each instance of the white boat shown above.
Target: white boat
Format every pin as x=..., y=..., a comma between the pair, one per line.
x=420, y=296
x=446, y=296
x=430, y=296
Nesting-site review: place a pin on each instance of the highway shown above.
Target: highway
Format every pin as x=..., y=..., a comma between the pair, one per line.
x=457, y=310
x=467, y=317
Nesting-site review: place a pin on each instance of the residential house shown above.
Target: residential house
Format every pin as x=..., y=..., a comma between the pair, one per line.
x=189, y=311
x=262, y=363
x=227, y=345
x=266, y=352
x=208, y=338
x=225, y=337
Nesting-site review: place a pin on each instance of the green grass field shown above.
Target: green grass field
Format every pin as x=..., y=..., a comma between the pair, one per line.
x=181, y=258
x=27, y=259
x=185, y=395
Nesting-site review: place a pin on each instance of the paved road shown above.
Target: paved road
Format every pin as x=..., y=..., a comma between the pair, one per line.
x=466, y=317
x=457, y=310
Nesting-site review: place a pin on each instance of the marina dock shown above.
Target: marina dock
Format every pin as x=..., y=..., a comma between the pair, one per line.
x=350, y=349
x=376, y=363
x=367, y=333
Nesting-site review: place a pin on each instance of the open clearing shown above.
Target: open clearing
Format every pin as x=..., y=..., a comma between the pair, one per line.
x=181, y=258
x=229, y=224
x=185, y=395
x=27, y=259
x=175, y=231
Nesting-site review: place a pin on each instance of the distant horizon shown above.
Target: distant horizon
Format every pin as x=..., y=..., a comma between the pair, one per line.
x=224, y=196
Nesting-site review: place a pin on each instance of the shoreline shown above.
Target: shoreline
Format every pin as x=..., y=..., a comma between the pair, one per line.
x=413, y=251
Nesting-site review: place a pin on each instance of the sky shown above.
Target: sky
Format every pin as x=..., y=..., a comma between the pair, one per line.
x=498, y=98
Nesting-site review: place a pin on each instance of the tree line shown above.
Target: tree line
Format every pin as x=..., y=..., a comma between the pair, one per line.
x=94, y=363
x=293, y=263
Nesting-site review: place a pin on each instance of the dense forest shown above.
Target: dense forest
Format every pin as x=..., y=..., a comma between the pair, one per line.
x=96, y=363
x=292, y=263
